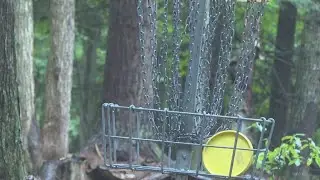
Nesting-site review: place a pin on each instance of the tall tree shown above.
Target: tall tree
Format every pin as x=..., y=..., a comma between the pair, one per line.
x=87, y=71
x=59, y=80
x=88, y=102
x=281, y=70
x=125, y=76
x=307, y=87
x=303, y=113
x=24, y=48
x=11, y=164
x=123, y=67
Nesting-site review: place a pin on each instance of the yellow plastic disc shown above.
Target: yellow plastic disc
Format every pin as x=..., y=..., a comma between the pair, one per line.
x=218, y=160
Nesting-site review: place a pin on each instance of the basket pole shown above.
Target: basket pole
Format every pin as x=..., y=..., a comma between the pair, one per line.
x=189, y=99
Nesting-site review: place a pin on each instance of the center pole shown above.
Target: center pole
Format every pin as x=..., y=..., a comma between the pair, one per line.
x=189, y=100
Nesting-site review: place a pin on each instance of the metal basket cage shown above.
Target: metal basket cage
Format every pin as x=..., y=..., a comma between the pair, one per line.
x=162, y=133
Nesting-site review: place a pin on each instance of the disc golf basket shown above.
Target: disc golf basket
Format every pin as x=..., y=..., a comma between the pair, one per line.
x=184, y=116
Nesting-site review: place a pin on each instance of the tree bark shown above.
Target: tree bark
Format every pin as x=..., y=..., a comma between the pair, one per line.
x=89, y=105
x=90, y=24
x=123, y=79
x=12, y=165
x=24, y=49
x=307, y=86
x=303, y=113
x=281, y=70
x=126, y=80
x=59, y=80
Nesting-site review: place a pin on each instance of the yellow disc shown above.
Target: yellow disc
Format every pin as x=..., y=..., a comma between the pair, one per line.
x=218, y=160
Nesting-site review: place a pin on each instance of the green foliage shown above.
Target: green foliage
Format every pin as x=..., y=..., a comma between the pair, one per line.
x=258, y=127
x=79, y=46
x=306, y=5
x=295, y=150
x=316, y=137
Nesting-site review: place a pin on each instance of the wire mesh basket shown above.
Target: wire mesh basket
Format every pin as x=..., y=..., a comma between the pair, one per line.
x=144, y=126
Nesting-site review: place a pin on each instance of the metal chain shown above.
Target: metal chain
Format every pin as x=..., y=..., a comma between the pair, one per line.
x=213, y=19
x=193, y=12
x=164, y=62
x=204, y=126
x=164, y=50
x=153, y=42
x=204, y=72
x=226, y=37
x=145, y=91
x=224, y=57
x=162, y=68
x=244, y=66
x=152, y=7
x=215, y=12
x=175, y=84
x=175, y=97
x=142, y=50
x=195, y=6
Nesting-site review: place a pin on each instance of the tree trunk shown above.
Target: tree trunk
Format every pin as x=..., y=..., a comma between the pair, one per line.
x=307, y=86
x=123, y=81
x=281, y=70
x=24, y=50
x=303, y=114
x=87, y=121
x=123, y=69
x=12, y=165
x=90, y=24
x=126, y=80
x=59, y=80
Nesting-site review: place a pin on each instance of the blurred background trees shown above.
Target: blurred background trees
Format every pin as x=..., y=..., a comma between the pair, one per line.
x=77, y=61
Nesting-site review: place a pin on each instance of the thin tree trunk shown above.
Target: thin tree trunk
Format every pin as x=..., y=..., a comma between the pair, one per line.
x=281, y=70
x=88, y=102
x=12, y=165
x=24, y=49
x=59, y=80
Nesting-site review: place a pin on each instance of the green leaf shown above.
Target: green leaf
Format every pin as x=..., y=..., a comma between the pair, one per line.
x=291, y=162
x=300, y=134
x=317, y=161
x=309, y=161
x=297, y=162
x=286, y=138
x=304, y=146
x=259, y=126
x=298, y=142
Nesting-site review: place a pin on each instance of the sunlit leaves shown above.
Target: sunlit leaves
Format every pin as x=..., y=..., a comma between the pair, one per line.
x=295, y=150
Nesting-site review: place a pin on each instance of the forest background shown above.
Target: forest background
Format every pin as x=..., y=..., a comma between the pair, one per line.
x=286, y=72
